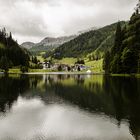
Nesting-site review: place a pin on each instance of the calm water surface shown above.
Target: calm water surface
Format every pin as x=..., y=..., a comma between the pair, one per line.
x=69, y=107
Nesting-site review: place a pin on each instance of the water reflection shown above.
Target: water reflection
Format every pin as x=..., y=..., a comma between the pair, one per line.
x=10, y=89
x=69, y=107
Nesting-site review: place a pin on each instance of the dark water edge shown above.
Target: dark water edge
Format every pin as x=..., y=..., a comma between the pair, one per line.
x=69, y=107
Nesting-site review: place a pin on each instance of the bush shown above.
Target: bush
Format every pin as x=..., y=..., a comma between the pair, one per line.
x=24, y=69
x=80, y=62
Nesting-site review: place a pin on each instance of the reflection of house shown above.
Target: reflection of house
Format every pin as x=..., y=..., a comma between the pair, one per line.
x=63, y=67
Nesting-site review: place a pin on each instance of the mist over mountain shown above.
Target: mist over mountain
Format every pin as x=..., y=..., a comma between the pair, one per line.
x=27, y=45
x=47, y=44
x=87, y=30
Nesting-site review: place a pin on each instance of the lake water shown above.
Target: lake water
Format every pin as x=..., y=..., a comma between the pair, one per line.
x=69, y=107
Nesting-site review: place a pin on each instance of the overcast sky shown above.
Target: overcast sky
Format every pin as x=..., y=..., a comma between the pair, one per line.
x=32, y=20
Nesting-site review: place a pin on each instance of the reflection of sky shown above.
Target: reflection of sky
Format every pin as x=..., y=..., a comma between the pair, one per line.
x=33, y=120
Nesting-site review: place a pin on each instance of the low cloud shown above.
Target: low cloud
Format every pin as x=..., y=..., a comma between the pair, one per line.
x=32, y=20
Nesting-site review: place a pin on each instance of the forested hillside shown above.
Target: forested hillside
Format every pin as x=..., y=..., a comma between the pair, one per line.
x=125, y=54
x=10, y=52
x=47, y=44
x=98, y=40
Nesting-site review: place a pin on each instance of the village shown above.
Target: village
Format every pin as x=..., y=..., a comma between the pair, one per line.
x=64, y=67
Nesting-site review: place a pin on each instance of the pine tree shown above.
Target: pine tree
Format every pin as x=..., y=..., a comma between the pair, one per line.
x=138, y=7
x=12, y=51
x=115, y=64
x=125, y=55
x=131, y=44
x=35, y=60
x=10, y=36
x=4, y=63
x=106, y=62
x=118, y=39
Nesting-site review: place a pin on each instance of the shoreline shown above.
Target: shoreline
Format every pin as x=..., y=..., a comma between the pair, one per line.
x=54, y=73
x=63, y=73
x=73, y=73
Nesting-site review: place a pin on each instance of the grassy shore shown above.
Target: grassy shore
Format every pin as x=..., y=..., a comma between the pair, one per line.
x=12, y=71
x=17, y=71
x=126, y=75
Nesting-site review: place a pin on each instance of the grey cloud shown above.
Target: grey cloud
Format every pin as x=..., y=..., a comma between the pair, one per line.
x=35, y=19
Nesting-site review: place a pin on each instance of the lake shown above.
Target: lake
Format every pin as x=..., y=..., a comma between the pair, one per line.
x=69, y=107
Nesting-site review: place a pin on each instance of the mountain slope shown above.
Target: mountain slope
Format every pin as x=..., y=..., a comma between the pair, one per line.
x=124, y=56
x=47, y=44
x=99, y=39
x=27, y=45
x=11, y=54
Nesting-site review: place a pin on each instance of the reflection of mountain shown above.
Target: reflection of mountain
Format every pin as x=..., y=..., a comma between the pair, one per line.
x=116, y=97
x=91, y=97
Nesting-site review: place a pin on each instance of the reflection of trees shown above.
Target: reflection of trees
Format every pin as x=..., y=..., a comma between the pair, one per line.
x=60, y=77
x=80, y=79
x=112, y=87
x=125, y=93
x=10, y=88
x=83, y=96
x=118, y=97
x=34, y=80
x=134, y=120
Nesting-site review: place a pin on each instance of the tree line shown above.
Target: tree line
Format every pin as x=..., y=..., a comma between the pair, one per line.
x=11, y=54
x=95, y=41
x=124, y=57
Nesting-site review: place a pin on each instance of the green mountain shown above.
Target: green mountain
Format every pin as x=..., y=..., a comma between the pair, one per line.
x=98, y=40
x=10, y=52
x=124, y=56
x=47, y=44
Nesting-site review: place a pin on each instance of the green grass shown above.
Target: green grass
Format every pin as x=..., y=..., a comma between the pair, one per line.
x=42, y=53
x=17, y=71
x=14, y=71
x=69, y=61
x=96, y=66
x=39, y=70
x=40, y=58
